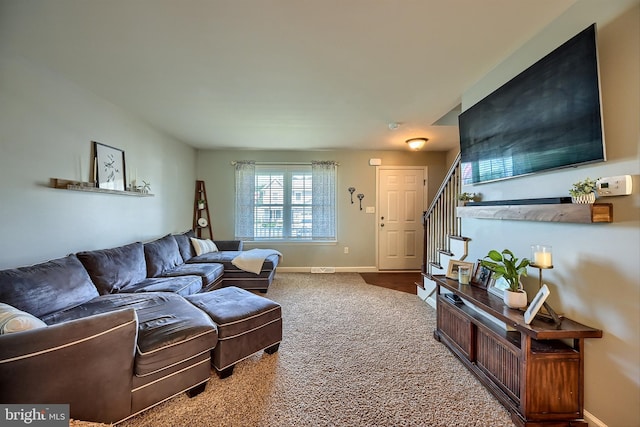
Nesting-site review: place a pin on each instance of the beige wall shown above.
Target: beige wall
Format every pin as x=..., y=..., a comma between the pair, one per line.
x=46, y=128
x=596, y=272
x=356, y=229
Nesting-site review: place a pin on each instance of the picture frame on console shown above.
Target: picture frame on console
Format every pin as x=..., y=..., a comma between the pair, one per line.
x=109, y=167
x=497, y=286
x=481, y=276
x=452, y=269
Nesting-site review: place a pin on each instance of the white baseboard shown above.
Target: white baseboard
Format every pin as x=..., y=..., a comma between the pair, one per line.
x=355, y=269
x=592, y=420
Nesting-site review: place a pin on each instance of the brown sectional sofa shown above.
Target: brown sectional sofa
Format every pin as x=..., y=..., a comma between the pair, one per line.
x=120, y=335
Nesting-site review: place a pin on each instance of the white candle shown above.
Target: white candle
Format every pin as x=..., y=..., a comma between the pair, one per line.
x=542, y=259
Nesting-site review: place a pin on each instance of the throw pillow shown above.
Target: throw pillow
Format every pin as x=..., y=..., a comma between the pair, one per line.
x=203, y=246
x=14, y=320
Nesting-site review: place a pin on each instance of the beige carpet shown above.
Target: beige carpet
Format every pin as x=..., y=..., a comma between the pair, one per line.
x=352, y=355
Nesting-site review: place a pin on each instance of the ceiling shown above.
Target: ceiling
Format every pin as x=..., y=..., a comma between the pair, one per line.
x=279, y=74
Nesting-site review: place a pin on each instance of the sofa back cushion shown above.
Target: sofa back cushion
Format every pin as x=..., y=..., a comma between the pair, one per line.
x=162, y=256
x=115, y=268
x=48, y=287
x=183, y=240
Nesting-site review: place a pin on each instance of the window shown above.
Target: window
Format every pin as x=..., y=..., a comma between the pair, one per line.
x=285, y=202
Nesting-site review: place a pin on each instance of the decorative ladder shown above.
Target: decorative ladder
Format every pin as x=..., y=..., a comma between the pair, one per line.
x=442, y=231
x=201, y=218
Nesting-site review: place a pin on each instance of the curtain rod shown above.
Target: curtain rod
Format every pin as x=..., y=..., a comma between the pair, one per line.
x=234, y=162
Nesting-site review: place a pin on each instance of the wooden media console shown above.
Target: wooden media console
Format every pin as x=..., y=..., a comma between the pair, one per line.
x=536, y=371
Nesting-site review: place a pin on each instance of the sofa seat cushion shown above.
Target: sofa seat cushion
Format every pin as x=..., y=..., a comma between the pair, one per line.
x=226, y=258
x=181, y=285
x=210, y=273
x=162, y=255
x=116, y=268
x=170, y=329
x=48, y=287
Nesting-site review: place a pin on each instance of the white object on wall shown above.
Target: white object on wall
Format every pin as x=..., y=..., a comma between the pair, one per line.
x=614, y=186
x=375, y=162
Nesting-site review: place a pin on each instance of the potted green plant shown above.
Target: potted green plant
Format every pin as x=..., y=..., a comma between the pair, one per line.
x=505, y=265
x=201, y=203
x=584, y=191
x=465, y=197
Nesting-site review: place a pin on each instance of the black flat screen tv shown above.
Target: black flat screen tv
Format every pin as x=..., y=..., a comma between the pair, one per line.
x=547, y=117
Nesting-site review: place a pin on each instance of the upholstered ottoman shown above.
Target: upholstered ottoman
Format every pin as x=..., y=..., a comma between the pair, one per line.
x=247, y=323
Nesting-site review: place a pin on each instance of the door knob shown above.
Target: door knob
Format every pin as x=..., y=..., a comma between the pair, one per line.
x=381, y=225
x=382, y=218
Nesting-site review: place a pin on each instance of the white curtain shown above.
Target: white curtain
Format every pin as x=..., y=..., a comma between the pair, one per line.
x=245, y=199
x=324, y=200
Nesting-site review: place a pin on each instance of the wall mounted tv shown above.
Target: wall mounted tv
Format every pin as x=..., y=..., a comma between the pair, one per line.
x=547, y=117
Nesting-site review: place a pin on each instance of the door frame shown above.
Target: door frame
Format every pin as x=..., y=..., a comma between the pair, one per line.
x=425, y=188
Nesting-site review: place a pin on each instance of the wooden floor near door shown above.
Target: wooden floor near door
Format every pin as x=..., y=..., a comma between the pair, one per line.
x=404, y=282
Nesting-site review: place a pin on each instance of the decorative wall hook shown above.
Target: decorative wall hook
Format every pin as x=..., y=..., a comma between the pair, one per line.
x=360, y=197
x=352, y=190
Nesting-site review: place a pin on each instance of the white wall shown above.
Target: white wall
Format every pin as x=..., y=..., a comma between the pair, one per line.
x=46, y=128
x=596, y=272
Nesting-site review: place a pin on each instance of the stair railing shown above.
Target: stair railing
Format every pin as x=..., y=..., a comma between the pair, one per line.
x=440, y=221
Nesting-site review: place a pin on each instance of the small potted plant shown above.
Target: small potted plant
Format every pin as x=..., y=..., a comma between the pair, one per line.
x=506, y=265
x=201, y=203
x=146, y=187
x=465, y=197
x=584, y=191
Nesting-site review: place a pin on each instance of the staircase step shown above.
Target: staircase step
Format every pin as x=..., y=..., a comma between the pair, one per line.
x=446, y=252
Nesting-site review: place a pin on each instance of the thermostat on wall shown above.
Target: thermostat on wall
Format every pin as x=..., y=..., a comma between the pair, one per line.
x=375, y=162
x=614, y=186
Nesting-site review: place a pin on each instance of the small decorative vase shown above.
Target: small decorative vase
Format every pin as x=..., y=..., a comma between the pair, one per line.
x=584, y=198
x=515, y=299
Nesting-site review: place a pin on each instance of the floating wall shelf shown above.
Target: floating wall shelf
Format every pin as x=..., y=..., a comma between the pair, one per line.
x=65, y=184
x=561, y=212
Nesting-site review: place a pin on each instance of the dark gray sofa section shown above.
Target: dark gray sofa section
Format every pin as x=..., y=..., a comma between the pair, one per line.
x=133, y=350
x=227, y=251
x=120, y=336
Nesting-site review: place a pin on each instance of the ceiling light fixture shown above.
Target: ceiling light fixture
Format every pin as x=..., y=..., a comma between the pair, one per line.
x=416, y=143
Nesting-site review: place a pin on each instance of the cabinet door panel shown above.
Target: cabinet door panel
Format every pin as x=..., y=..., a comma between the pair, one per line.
x=500, y=362
x=457, y=328
x=556, y=381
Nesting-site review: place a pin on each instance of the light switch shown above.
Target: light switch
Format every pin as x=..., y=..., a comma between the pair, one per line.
x=370, y=209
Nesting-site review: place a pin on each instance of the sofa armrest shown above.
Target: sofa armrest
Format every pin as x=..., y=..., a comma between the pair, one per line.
x=86, y=363
x=229, y=245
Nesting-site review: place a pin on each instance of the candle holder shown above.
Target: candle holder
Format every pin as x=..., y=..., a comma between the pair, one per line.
x=541, y=256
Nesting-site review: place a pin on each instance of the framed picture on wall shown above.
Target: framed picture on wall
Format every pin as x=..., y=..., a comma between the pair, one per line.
x=109, y=167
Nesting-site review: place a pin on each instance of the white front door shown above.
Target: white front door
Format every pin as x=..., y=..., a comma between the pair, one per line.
x=401, y=196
